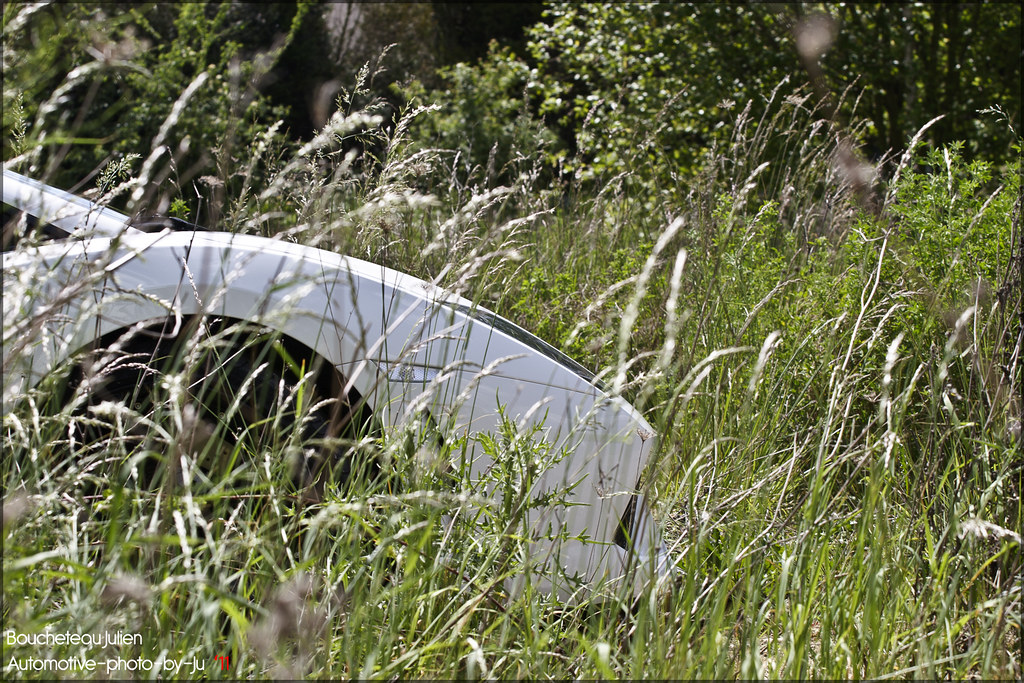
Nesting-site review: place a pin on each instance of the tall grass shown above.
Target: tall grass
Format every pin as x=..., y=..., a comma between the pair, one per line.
x=837, y=473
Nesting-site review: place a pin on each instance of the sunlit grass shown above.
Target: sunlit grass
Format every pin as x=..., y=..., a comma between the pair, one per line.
x=838, y=480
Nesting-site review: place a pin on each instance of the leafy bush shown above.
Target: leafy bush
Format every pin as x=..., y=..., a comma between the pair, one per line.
x=176, y=87
x=649, y=88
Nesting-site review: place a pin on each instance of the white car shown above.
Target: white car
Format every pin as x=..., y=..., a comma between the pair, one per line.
x=399, y=350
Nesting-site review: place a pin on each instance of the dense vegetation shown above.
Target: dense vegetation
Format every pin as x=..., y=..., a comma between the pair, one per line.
x=748, y=218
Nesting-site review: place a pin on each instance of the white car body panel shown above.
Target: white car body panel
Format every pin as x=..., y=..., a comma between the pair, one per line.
x=403, y=343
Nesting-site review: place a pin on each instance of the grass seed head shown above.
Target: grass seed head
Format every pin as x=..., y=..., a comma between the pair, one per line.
x=126, y=588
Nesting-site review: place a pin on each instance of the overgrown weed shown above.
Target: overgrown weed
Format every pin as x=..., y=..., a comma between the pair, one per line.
x=837, y=405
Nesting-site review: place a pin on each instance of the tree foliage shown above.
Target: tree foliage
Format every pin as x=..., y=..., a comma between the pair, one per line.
x=657, y=82
x=918, y=61
x=177, y=85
